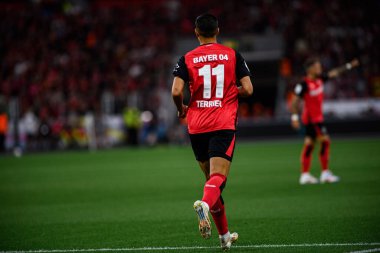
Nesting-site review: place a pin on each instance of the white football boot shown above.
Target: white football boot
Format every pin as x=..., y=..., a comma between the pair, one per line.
x=227, y=240
x=328, y=177
x=202, y=209
x=307, y=178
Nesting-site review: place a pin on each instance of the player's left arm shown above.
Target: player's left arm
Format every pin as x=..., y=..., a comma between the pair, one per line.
x=346, y=67
x=243, y=74
x=246, y=88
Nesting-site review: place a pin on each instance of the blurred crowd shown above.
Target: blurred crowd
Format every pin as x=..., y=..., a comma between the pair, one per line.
x=63, y=59
x=72, y=62
x=337, y=32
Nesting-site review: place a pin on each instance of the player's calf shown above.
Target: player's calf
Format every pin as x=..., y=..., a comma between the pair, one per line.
x=324, y=154
x=306, y=157
x=213, y=188
x=218, y=213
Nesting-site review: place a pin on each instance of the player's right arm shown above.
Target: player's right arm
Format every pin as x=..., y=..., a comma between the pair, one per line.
x=181, y=76
x=177, y=94
x=299, y=91
x=243, y=75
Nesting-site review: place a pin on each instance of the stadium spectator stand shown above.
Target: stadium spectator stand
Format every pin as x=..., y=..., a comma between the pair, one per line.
x=65, y=59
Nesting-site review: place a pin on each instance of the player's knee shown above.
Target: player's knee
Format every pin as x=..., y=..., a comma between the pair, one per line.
x=205, y=167
x=309, y=141
x=324, y=138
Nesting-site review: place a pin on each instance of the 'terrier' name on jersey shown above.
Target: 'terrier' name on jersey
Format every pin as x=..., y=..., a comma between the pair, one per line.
x=210, y=57
x=208, y=104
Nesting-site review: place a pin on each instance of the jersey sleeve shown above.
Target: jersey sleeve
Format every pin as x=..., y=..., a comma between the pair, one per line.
x=180, y=69
x=242, y=69
x=300, y=89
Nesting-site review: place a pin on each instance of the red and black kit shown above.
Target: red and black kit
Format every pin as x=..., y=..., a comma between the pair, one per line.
x=212, y=72
x=312, y=114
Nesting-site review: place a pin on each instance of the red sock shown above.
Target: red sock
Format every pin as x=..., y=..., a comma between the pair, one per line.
x=324, y=154
x=219, y=215
x=213, y=189
x=306, y=156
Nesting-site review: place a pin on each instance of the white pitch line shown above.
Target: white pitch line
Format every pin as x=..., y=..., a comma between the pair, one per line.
x=196, y=247
x=366, y=250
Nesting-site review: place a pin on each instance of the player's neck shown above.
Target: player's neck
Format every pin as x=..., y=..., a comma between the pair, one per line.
x=311, y=76
x=204, y=41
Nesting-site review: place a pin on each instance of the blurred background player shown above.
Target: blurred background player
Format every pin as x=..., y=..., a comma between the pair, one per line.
x=3, y=123
x=310, y=90
x=211, y=70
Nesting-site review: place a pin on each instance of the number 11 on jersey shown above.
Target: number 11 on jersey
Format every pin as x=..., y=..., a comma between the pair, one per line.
x=206, y=72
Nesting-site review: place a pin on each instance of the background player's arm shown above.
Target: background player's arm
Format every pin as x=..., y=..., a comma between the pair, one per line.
x=295, y=112
x=339, y=70
x=246, y=88
x=177, y=94
x=299, y=91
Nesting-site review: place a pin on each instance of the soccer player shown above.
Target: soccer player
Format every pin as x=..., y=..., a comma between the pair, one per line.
x=217, y=76
x=311, y=91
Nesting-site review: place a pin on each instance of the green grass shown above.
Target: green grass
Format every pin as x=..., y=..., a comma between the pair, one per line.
x=143, y=198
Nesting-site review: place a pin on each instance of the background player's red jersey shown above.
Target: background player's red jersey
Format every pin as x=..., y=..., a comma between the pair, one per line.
x=212, y=71
x=312, y=93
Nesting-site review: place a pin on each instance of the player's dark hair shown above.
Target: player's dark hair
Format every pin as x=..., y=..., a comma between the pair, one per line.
x=310, y=62
x=207, y=25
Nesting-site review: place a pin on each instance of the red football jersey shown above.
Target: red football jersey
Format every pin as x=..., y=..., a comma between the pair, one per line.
x=211, y=71
x=312, y=93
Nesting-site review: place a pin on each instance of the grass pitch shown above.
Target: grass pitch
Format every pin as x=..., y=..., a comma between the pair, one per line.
x=135, y=198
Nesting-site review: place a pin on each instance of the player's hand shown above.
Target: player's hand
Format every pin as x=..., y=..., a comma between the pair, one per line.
x=295, y=122
x=355, y=62
x=182, y=114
